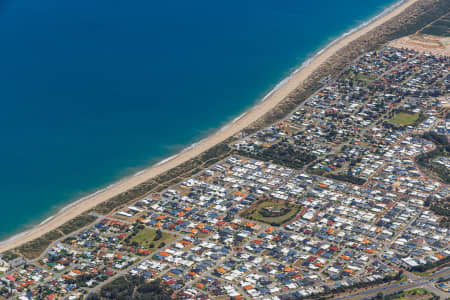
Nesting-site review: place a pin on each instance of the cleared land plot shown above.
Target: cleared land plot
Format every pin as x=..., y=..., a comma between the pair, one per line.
x=273, y=213
x=404, y=119
x=435, y=44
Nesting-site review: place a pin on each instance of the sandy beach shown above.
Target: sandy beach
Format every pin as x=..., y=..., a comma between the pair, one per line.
x=252, y=115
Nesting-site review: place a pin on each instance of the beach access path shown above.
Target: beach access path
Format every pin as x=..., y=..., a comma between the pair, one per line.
x=251, y=116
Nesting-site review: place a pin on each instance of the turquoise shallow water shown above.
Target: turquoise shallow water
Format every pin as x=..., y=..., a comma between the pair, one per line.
x=93, y=90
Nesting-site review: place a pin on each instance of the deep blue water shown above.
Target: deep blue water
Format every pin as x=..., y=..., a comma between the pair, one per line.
x=93, y=90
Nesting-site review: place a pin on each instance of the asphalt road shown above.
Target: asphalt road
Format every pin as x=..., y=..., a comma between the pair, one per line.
x=398, y=287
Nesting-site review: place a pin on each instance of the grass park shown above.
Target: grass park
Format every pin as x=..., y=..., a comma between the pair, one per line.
x=273, y=212
x=359, y=78
x=404, y=119
x=149, y=238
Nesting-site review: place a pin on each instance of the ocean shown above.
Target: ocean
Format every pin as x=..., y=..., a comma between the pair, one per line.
x=95, y=90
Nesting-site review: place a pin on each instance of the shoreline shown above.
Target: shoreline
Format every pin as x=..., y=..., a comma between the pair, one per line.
x=264, y=105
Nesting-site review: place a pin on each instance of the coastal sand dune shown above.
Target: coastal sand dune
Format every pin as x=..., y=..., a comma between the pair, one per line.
x=251, y=116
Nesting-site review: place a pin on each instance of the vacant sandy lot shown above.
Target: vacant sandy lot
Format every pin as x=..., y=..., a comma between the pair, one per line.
x=424, y=43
